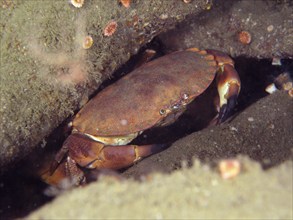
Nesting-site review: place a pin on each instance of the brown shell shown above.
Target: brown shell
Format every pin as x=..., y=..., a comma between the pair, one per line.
x=134, y=102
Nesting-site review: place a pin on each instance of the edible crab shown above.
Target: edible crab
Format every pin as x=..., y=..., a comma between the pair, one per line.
x=155, y=94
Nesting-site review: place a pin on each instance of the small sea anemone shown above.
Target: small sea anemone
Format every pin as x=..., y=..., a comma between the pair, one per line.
x=77, y=3
x=244, y=37
x=88, y=42
x=110, y=28
x=125, y=3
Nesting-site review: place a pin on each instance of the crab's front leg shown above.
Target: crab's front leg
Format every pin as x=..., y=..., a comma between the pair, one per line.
x=228, y=84
x=92, y=154
x=80, y=151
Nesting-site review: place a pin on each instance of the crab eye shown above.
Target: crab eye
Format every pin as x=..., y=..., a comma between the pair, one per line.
x=162, y=111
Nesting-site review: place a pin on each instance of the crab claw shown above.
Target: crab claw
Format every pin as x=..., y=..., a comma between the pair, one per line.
x=80, y=151
x=228, y=89
x=95, y=155
x=65, y=174
x=228, y=84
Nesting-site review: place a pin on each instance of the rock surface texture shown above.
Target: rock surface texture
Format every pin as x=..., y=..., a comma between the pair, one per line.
x=55, y=56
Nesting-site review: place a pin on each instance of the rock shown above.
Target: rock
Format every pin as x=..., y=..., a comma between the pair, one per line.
x=46, y=71
x=226, y=27
x=263, y=131
x=195, y=193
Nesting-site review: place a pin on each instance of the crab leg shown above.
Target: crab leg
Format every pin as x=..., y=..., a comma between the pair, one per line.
x=228, y=84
